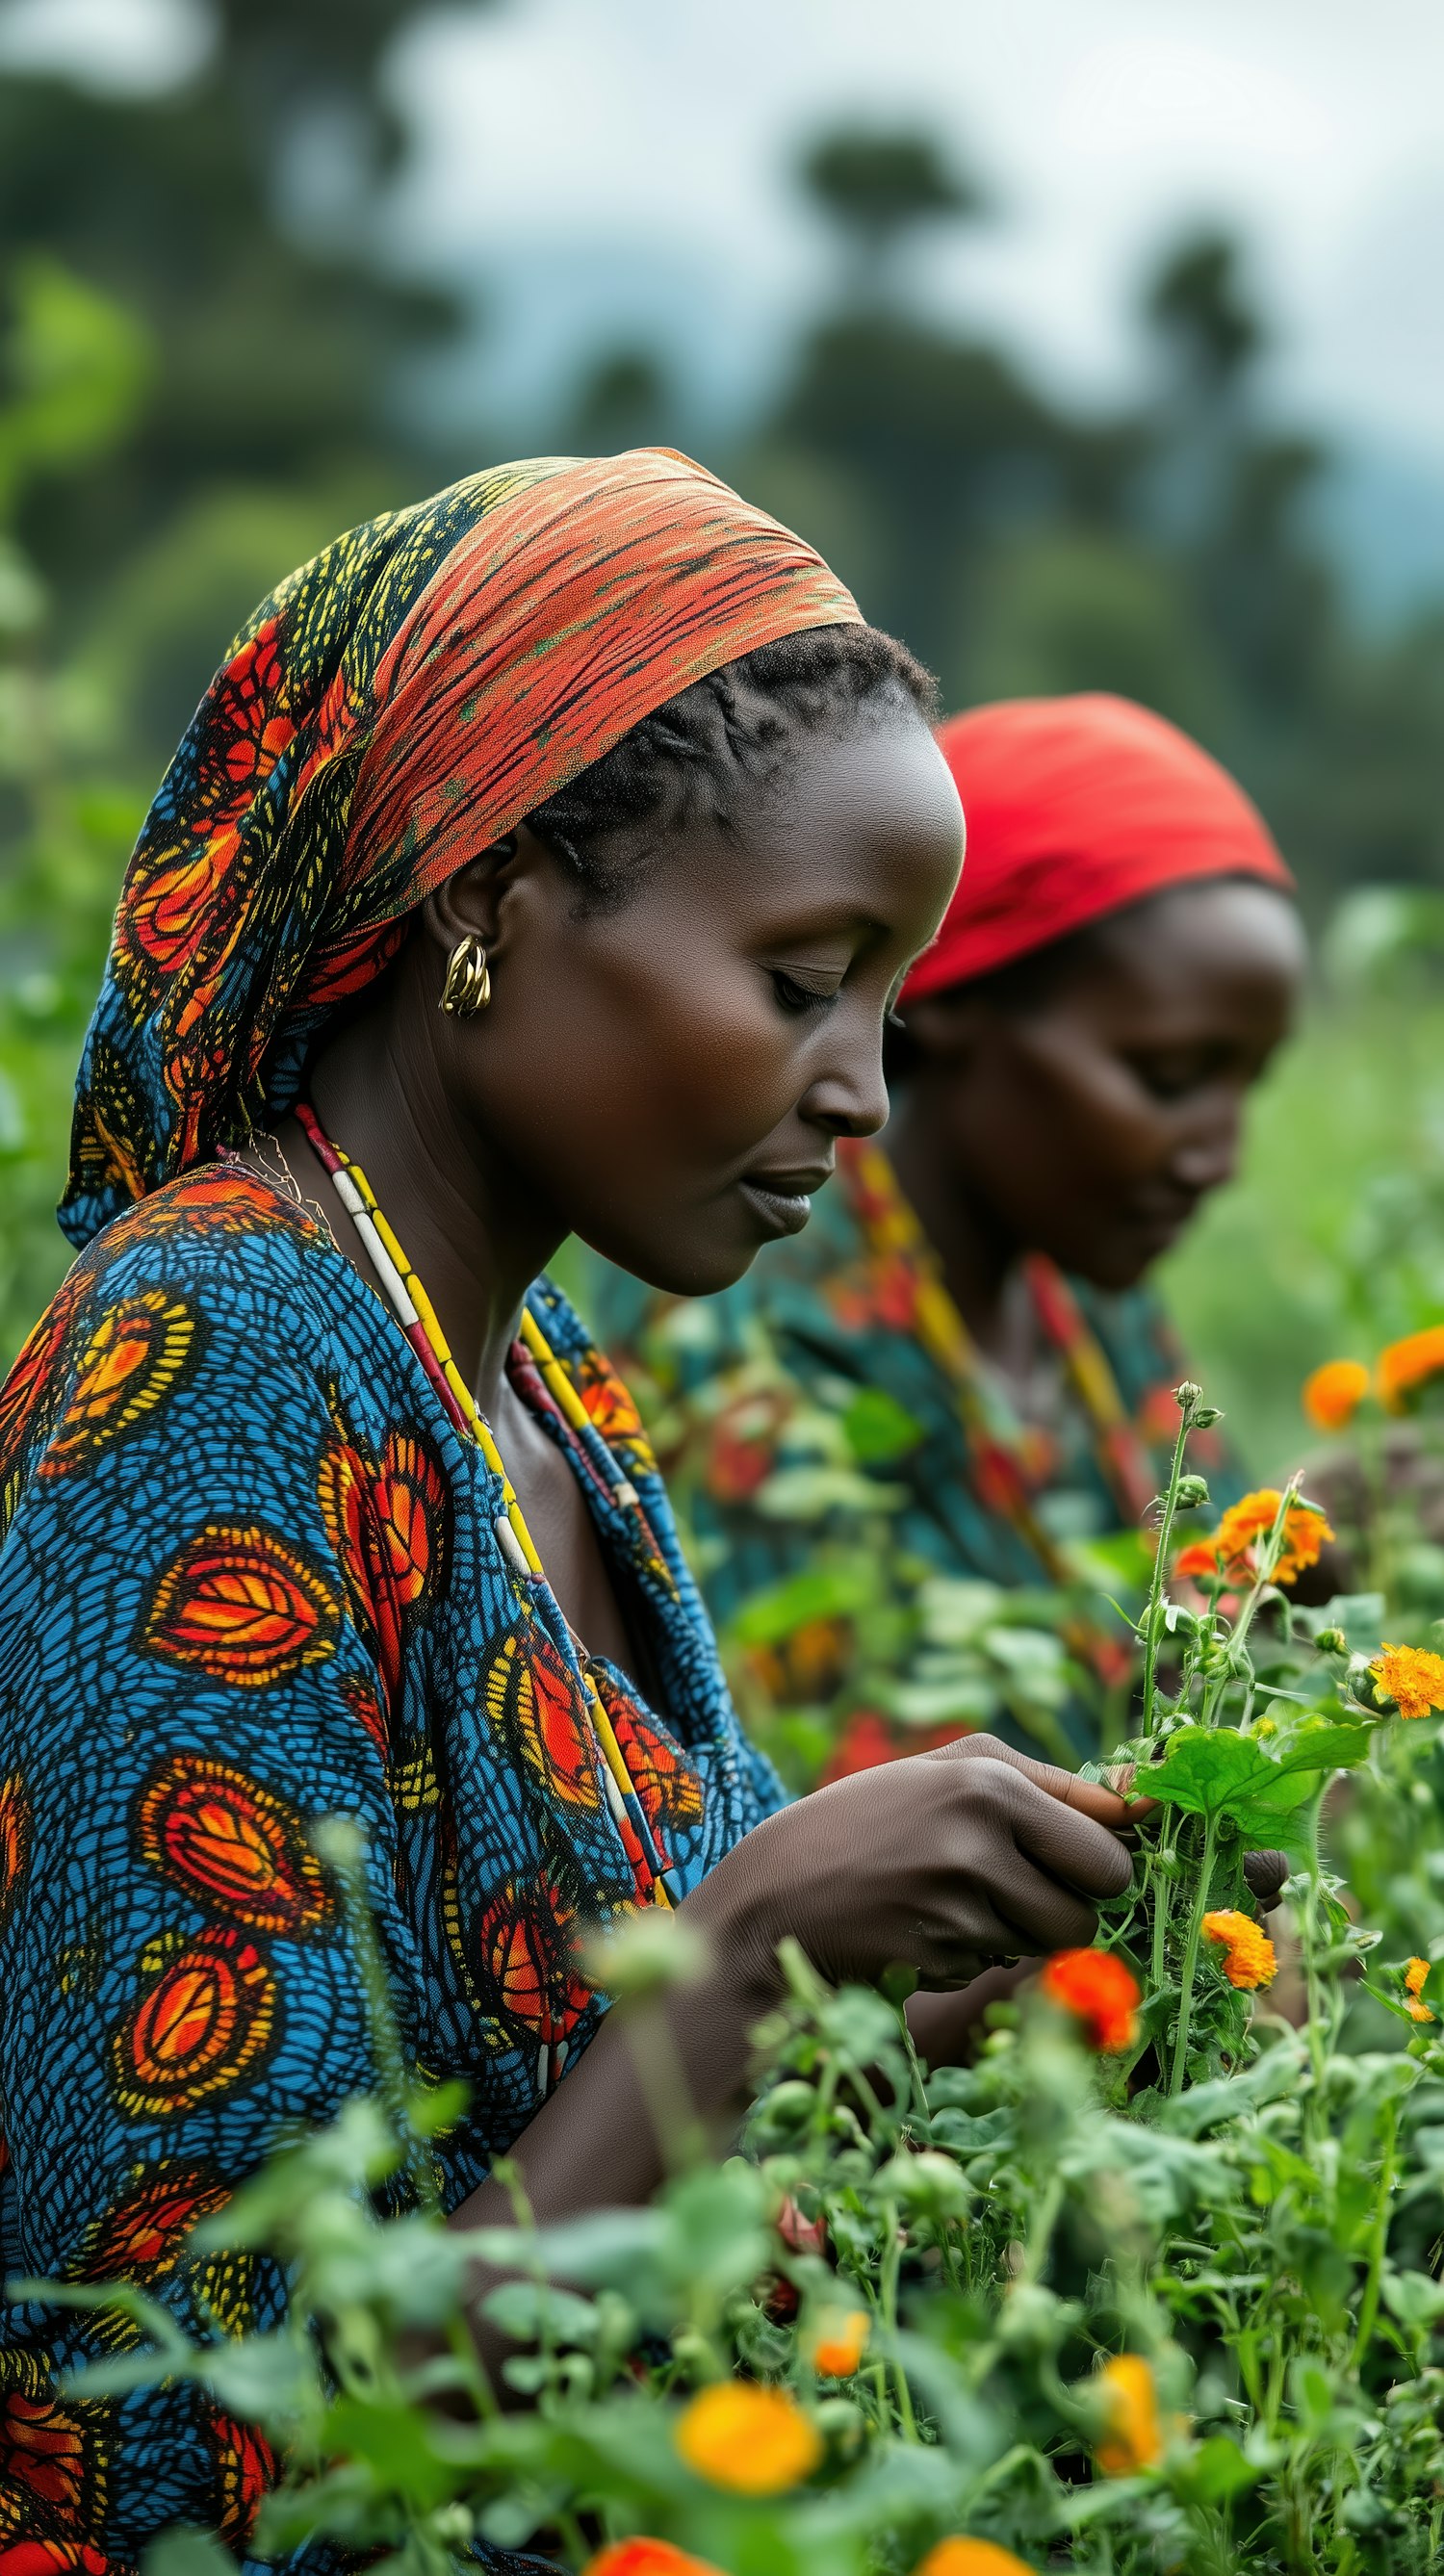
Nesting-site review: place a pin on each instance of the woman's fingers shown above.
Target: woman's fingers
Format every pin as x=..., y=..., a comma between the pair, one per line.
x=1085, y=1797
x=1044, y=1914
x=1068, y=1845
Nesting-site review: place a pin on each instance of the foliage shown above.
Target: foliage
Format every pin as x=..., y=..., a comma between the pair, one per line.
x=1169, y=2307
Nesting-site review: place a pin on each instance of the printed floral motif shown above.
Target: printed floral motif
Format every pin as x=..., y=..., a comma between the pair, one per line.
x=222, y=1838
x=534, y=1702
x=14, y=1841
x=244, y=1606
x=205, y=2023
x=138, y=1352
x=144, y=2235
x=526, y=1957
x=53, y=2457
x=245, y=2465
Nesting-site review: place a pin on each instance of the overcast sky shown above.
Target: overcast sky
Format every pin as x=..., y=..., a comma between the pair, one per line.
x=617, y=163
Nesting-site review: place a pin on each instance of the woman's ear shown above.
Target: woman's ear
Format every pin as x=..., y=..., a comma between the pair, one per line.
x=471, y=902
x=944, y=1029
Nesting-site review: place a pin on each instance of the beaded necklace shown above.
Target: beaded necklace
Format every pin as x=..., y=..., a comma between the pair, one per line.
x=996, y=1437
x=410, y=1304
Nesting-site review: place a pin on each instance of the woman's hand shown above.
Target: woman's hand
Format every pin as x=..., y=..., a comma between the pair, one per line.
x=943, y=1863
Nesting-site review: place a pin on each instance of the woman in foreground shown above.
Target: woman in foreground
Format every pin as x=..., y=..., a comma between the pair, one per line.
x=1069, y=1072
x=543, y=859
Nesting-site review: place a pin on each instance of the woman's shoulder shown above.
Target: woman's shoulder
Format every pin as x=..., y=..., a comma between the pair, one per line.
x=217, y=1261
x=221, y=1237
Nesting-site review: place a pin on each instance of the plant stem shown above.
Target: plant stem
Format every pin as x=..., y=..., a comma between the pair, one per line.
x=1190, y=1954
x=1152, y=1616
x=1379, y=2237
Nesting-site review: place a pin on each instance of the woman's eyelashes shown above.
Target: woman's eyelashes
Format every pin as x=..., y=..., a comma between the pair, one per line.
x=798, y=998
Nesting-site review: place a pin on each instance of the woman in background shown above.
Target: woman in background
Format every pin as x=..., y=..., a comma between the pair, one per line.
x=967, y=1322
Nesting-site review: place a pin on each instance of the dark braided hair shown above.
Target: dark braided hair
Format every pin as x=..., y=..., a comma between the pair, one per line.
x=689, y=760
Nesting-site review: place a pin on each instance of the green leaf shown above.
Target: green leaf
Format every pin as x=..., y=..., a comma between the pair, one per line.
x=1215, y=1772
x=187, y=2553
x=878, y=1429
x=823, y=1592
x=1218, y=2470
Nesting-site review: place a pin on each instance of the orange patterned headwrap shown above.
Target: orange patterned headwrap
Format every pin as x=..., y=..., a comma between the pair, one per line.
x=390, y=710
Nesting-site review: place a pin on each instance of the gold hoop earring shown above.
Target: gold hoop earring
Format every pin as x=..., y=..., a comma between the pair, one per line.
x=467, y=988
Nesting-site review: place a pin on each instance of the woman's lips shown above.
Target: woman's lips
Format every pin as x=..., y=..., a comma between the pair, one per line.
x=783, y=1200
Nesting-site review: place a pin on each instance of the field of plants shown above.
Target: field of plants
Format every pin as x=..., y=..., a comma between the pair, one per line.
x=1152, y=2284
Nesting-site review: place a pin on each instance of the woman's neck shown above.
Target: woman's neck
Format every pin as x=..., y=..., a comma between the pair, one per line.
x=980, y=1261
x=471, y=1224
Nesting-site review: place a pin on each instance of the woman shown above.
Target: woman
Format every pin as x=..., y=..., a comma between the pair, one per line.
x=543, y=858
x=968, y=1314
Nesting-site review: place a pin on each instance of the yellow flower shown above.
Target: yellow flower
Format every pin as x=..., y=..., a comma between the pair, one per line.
x=753, y=2441
x=1249, y=1956
x=1412, y=1678
x=1332, y=1394
x=1404, y=1370
x=839, y=2342
x=960, y=2557
x=1231, y=1550
x=1134, y=2438
x=1414, y=1978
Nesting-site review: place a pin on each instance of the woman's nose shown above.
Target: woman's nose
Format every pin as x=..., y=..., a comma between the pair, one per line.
x=850, y=1098
x=1207, y=1155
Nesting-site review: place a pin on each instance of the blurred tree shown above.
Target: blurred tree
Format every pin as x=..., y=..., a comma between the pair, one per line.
x=943, y=446
x=77, y=366
x=1197, y=299
x=880, y=187
x=237, y=218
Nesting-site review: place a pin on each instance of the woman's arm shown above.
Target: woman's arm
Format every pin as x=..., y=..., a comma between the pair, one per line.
x=944, y=1862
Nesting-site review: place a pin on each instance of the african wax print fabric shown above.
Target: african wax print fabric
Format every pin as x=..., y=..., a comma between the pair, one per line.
x=827, y=1475
x=392, y=709
x=251, y=1578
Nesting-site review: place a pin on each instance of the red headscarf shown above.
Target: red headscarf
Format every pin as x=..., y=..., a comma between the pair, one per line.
x=1074, y=808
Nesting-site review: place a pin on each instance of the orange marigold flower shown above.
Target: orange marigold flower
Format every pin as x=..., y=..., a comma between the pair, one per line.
x=1250, y=1959
x=1134, y=2436
x=963, y=2557
x=1404, y=1371
x=839, y=2342
x=1414, y=1980
x=1411, y=1677
x=1333, y=1394
x=647, y=2558
x=1101, y=1990
x=1230, y=1551
x=753, y=2441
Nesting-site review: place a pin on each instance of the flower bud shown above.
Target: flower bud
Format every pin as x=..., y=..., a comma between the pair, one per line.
x=1206, y=1416
x=1187, y=1395
x=1332, y=1641
x=1192, y=1493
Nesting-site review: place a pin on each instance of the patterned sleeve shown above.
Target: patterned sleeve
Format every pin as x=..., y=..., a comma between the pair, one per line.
x=201, y=1628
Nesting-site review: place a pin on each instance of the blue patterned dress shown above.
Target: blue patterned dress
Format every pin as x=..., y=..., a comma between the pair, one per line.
x=251, y=1578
